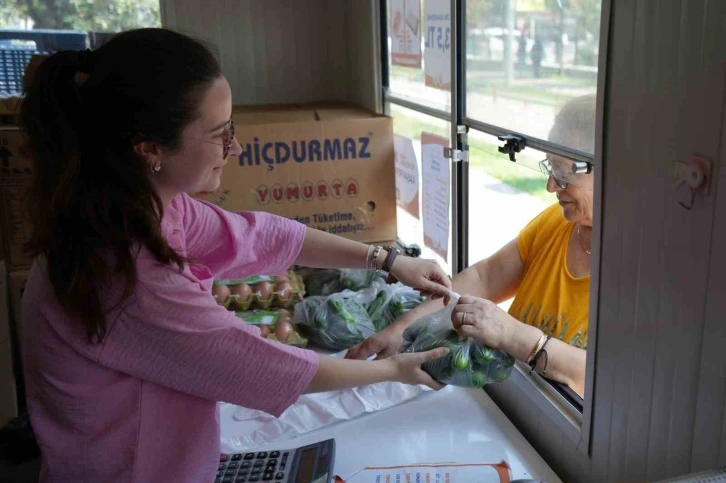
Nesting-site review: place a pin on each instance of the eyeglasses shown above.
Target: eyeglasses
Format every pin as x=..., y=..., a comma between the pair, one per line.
x=227, y=139
x=564, y=178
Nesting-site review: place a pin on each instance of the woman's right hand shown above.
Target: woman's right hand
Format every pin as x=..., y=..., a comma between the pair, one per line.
x=385, y=343
x=407, y=367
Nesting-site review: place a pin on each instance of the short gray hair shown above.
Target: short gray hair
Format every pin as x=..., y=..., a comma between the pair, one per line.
x=575, y=124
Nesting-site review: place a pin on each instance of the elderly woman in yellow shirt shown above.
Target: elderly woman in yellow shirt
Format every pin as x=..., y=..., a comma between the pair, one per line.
x=546, y=269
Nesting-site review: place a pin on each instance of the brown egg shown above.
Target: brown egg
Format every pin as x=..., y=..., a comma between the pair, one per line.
x=282, y=279
x=283, y=330
x=242, y=292
x=285, y=316
x=263, y=290
x=264, y=330
x=220, y=293
x=284, y=290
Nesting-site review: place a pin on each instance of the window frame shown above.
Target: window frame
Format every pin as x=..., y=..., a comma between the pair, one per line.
x=552, y=398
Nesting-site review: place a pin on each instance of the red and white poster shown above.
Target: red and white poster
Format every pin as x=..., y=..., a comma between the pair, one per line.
x=407, y=176
x=405, y=28
x=436, y=193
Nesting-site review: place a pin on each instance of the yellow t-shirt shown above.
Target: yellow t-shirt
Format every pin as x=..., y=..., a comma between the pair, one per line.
x=549, y=297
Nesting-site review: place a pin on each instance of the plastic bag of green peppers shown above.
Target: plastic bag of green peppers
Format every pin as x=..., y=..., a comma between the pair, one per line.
x=468, y=363
x=391, y=302
x=330, y=281
x=336, y=322
x=345, y=319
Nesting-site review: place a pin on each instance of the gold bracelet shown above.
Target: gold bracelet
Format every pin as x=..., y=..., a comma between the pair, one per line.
x=537, y=348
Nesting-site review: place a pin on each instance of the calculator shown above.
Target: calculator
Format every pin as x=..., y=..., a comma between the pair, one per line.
x=307, y=464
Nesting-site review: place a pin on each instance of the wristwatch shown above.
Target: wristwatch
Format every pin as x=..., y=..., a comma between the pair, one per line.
x=393, y=252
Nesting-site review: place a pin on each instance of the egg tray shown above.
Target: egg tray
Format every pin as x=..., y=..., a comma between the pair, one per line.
x=270, y=319
x=256, y=300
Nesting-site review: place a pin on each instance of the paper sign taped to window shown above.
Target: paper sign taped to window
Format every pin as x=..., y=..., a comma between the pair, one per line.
x=405, y=33
x=436, y=193
x=407, y=175
x=437, y=37
x=438, y=473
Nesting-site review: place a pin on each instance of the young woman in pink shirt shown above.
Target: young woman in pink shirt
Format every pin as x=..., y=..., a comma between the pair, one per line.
x=126, y=352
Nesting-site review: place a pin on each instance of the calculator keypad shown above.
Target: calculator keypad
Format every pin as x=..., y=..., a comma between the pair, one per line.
x=252, y=467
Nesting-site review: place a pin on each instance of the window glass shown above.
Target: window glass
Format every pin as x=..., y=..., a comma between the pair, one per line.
x=526, y=58
x=29, y=27
x=408, y=125
x=504, y=197
x=409, y=81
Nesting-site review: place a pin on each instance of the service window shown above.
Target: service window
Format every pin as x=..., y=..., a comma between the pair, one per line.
x=530, y=72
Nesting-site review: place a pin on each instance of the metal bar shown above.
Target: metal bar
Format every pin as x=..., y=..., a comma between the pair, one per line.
x=385, y=61
x=460, y=178
x=415, y=106
x=532, y=142
x=603, y=85
x=456, y=205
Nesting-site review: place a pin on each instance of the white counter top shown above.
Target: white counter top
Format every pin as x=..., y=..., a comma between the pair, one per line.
x=452, y=425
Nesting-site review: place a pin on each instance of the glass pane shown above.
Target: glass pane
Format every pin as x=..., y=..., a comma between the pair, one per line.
x=526, y=58
x=410, y=124
x=409, y=82
x=518, y=188
x=45, y=26
x=504, y=197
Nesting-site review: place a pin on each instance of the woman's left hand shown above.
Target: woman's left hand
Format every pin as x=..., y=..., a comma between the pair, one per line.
x=484, y=321
x=426, y=276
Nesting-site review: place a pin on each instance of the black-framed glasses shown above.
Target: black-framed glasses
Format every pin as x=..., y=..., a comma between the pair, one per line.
x=227, y=139
x=563, y=177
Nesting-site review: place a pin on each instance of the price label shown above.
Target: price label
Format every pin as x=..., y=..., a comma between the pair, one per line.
x=439, y=38
x=437, y=53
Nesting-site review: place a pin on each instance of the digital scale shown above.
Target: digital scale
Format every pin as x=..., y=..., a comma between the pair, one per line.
x=307, y=464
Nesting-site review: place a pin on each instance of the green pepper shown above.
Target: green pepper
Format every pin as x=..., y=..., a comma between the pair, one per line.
x=461, y=360
x=377, y=303
x=478, y=379
x=483, y=355
x=340, y=310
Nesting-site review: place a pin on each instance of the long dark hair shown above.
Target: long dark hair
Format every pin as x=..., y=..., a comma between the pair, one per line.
x=91, y=202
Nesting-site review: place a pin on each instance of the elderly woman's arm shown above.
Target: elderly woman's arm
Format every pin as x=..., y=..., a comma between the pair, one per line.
x=495, y=278
x=492, y=326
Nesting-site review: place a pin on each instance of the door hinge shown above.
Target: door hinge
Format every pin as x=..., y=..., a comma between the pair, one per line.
x=456, y=155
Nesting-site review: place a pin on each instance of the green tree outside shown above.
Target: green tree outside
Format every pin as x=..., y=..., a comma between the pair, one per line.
x=84, y=15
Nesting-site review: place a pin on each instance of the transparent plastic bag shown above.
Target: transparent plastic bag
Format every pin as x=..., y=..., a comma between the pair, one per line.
x=468, y=363
x=337, y=322
x=328, y=282
x=391, y=302
x=243, y=429
x=345, y=319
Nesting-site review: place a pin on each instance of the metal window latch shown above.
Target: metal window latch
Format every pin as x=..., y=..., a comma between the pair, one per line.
x=456, y=155
x=512, y=145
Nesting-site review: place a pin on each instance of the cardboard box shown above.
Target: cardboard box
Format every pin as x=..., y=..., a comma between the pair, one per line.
x=328, y=166
x=15, y=172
